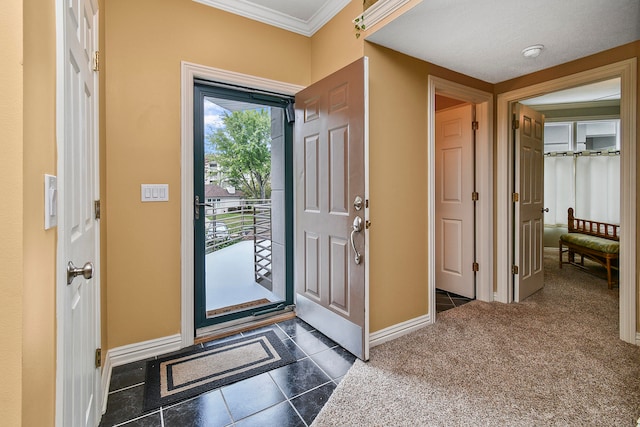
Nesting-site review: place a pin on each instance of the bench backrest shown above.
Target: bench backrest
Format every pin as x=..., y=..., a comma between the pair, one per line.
x=593, y=228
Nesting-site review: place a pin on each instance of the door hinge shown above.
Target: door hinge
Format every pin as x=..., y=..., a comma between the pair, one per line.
x=98, y=357
x=515, y=197
x=96, y=60
x=514, y=269
x=476, y=267
x=515, y=124
x=366, y=203
x=96, y=207
x=367, y=224
x=474, y=196
x=474, y=125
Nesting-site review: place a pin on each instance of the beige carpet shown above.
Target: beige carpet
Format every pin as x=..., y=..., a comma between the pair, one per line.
x=553, y=360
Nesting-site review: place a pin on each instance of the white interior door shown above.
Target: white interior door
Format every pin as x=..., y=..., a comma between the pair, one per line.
x=79, y=230
x=529, y=186
x=329, y=150
x=455, y=239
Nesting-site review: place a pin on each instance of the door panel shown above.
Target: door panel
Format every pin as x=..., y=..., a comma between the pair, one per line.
x=80, y=304
x=454, y=206
x=528, y=210
x=330, y=172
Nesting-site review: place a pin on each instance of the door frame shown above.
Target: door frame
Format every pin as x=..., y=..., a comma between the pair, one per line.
x=189, y=73
x=484, y=184
x=627, y=72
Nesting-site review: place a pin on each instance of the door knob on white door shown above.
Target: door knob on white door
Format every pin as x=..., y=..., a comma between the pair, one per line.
x=545, y=209
x=72, y=271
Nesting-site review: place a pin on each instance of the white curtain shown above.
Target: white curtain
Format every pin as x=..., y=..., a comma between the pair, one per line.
x=590, y=184
x=559, y=190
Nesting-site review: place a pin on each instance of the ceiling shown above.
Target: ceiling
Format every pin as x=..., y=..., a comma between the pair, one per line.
x=482, y=39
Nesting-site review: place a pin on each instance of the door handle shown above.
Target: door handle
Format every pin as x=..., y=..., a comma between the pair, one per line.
x=545, y=209
x=197, y=205
x=72, y=271
x=357, y=227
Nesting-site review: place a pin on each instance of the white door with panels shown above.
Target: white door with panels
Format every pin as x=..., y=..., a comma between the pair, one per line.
x=455, y=240
x=331, y=207
x=79, y=379
x=528, y=200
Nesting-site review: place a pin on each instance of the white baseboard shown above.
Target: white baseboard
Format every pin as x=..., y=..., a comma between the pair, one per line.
x=398, y=330
x=133, y=353
x=638, y=338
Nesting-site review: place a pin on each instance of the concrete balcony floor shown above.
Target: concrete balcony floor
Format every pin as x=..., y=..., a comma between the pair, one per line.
x=230, y=278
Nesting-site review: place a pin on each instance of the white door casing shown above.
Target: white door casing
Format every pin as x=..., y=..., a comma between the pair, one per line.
x=529, y=186
x=454, y=205
x=483, y=102
x=189, y=73
x=78, y=382
x=627, y=72
x=329, y=170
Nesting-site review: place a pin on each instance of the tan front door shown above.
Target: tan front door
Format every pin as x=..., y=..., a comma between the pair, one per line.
x=529, y=187
x=329, y=150
x=455, y=240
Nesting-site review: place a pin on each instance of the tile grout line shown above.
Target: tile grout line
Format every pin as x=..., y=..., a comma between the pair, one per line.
x=126, y=388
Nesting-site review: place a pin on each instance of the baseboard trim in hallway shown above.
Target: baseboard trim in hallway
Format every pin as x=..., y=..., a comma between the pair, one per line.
x=398, y=330
x=132, y=353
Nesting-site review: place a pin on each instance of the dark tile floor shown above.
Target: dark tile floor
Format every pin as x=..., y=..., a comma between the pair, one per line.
x=446, y=300
x=288, y=396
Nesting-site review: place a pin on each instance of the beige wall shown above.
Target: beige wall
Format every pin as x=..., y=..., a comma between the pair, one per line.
x=11, y=209
x=398, y=183
x=335, y=45
x=39, y=316
x=145, y=44
x=631, y=50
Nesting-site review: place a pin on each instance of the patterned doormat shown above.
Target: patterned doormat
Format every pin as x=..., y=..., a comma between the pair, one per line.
x=182, y=376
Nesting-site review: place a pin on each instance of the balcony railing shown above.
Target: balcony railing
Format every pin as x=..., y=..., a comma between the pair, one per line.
x=228, y=223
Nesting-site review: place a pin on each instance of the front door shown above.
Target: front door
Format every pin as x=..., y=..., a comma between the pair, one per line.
x=529, y=201
x=79, y=291
x=455, y=240
x=331, y=207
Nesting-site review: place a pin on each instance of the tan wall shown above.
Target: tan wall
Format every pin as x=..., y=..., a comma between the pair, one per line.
x=335, y=45
x=39, y=316
x=11, y=208
x=631, y=50
x=145, y=42
x=398, y=183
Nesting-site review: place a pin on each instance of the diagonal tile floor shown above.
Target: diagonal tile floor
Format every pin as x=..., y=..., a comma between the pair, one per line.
x=447, y=300
x=288, y=396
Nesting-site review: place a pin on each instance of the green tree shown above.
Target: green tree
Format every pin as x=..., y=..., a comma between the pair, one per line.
x=242, y=148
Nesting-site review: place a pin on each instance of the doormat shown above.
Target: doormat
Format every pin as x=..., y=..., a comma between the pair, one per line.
x=175, y=378
x=231, y=308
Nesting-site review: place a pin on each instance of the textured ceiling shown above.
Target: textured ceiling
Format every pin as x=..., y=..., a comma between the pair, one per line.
x=484, y=39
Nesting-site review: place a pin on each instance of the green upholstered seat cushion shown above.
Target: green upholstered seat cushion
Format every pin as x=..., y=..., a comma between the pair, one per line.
x=592, y=242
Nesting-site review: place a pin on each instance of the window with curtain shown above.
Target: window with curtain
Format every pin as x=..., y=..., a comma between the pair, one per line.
x=582, y=170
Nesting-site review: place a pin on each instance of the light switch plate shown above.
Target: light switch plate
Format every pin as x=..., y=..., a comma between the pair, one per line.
x=154, y=192
x=50, y=201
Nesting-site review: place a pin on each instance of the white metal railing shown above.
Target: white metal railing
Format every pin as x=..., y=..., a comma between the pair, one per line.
x=228, y=223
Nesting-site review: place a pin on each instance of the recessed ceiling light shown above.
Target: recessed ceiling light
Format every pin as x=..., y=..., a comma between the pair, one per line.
x=532, y=51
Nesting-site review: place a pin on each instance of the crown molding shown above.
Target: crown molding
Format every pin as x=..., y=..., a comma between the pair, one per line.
x=278, y=19
x=379, y=11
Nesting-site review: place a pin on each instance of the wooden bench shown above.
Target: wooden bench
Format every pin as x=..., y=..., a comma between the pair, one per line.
x=597, y=241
